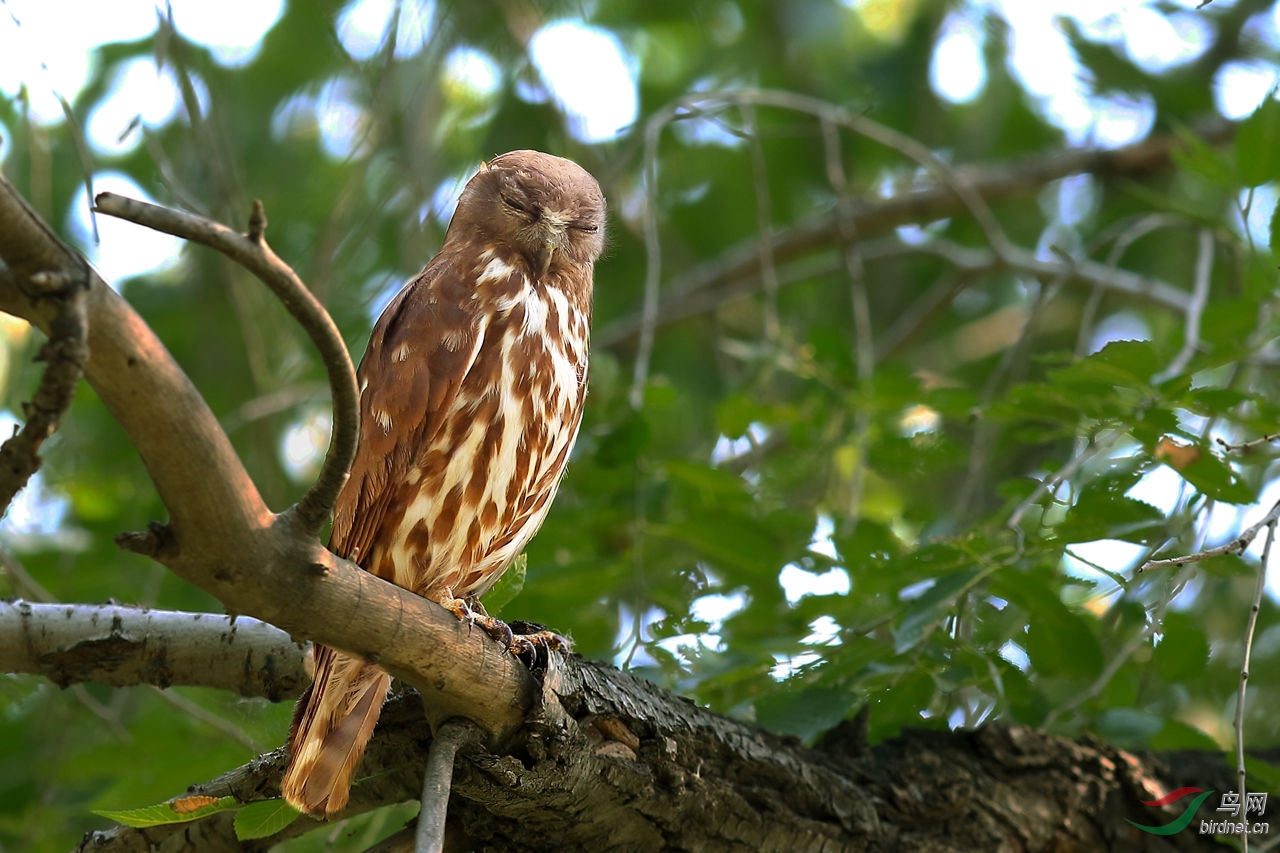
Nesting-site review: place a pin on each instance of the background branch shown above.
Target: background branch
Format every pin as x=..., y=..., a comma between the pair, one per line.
x=922, y=203
x=123, y=646
x=65, y=353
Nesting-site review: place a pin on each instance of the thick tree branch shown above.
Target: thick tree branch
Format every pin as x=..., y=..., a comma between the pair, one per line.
x=124, y=646
x=252, y=252
x=614, y=763
x=197, y=473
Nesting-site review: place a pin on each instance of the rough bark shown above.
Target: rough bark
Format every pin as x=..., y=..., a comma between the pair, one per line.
x=610, y=762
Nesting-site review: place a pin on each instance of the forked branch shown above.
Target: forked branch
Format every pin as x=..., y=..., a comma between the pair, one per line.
x=251, y=251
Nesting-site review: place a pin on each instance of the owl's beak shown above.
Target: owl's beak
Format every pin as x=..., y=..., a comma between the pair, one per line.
x=545, y=253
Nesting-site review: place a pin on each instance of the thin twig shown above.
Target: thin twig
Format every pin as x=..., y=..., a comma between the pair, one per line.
x=653, y=260
x=939, y=295
x=66, y=353
x=1238, y=545
x=764, y=221
x=922, y=203
x=20, y=579
x=273, y=403
x=986, y=432
x=826, y=112
x=1248, y=445
x=1062, y=475
x=873, y=130
x=1124, y=234
x=864, y=346
x=252, y=252
x=438, y=780
x=1195, y=309
x=1238, y=722
x=210, y=719
x=689, y=296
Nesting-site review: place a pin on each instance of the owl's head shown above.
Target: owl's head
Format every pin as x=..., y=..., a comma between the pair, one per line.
x=547, y=208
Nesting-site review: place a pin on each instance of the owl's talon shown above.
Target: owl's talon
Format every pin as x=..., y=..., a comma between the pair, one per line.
x=459, y=608
x=495, y=628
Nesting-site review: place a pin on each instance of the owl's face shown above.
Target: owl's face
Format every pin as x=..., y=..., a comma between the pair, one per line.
x=547, y=208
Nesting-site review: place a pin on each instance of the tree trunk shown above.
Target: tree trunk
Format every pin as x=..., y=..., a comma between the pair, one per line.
x=607, y=761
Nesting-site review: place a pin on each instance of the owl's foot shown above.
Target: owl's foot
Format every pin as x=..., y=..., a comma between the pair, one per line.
x=473, y=614
x=532, y=643
x=528, y=641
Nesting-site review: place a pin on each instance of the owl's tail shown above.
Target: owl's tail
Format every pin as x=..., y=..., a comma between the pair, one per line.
x=331, y=726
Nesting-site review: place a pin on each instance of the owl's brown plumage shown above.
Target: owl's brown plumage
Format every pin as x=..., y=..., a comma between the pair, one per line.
x=471, y=394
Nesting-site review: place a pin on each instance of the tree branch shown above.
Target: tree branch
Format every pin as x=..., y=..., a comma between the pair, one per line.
x=687, y=302
x=437, y=783
x=252, y=252
x=197, y=473
x=65, y=353
x=123, y=646
x=1237, y=545
x=614, y=763
x=923, y=203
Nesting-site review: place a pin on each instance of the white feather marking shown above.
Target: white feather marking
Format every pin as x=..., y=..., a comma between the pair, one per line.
x=383, y=417
x=453, y=339
x=535, y=314
x=496, y=270
x=402, y=352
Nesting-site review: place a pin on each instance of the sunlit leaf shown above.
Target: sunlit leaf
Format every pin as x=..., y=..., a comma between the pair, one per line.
x=263, y=819
x=175, y=811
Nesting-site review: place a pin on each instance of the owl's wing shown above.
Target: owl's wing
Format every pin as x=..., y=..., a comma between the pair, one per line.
x=420, y=352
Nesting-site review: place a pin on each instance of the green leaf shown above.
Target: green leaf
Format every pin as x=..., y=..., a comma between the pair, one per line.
x=624, y=442
x=1262, y=773
x=1105, y=515
x=1059, y=640
x=1183, y=650
x=932, y=607
x=1027, y=703
x=508, y=586
x=1273, y=233
x=1258, y=145
x=1215, y=479
x=1128, y=727
x=162, y=813
x=805, y=711
x=1195, y=155
x=263, y=819
x=1120, y=364
x=1175, y=734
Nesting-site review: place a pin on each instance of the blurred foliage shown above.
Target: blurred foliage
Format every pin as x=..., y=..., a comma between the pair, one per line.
x=883, y=492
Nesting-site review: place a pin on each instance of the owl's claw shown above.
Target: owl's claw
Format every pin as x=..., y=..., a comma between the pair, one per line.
x=528, y=641
x=533, y=643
